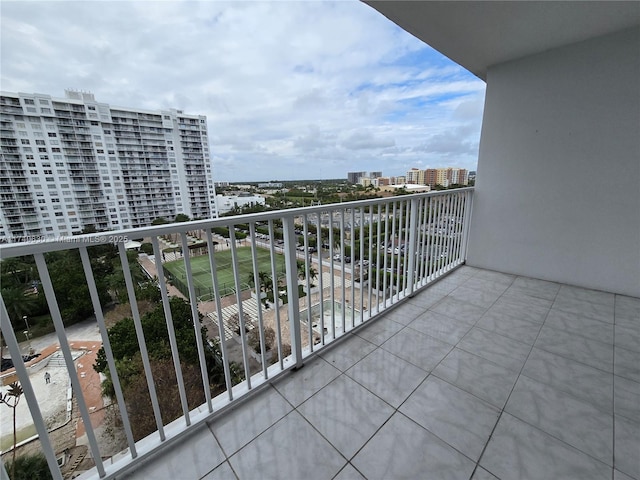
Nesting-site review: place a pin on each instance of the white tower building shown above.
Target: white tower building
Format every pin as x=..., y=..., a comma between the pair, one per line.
x=69, y=163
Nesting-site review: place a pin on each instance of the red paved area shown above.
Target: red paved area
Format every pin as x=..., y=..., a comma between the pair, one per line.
x=90, y=383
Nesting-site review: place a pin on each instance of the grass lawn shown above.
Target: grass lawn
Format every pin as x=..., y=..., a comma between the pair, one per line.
x=224, y=267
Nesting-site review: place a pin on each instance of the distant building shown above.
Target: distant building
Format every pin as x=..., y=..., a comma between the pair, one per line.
x=409, y=187
x=431, y=177
x=458, y=176
x=445, y=176
x=226, y=203
x=373, y=175
x=270, y=185
x=69, y=163
x=354, y=177
x=415, y=176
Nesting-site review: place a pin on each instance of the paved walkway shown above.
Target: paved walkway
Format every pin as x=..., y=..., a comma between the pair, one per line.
x=90, y=384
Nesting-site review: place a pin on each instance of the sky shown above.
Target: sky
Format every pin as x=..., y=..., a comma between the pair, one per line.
x=291, y=89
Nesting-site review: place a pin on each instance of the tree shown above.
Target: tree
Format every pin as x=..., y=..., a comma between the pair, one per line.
x=124, y=343
x=264, y=279
x=70, y=284
x=11, y=399
x=136, y=392
x=146, y=248
x=286, y=351
x=19, y=303
x=269, y=339
x=114, y=282
x=30, y=467
x=234, y=322
x=17, y=270
x=181, y=217
x=266, y=282
x=302, y=271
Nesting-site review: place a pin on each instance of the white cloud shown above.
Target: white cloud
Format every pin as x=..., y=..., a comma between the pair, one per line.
x=290, y=89
x=365, y=139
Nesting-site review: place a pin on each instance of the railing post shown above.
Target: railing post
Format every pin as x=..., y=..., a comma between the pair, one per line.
x=290, y=242
x=466, y=223
x=413, y=227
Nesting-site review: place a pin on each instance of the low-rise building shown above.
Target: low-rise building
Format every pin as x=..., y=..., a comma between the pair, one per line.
x=226, y=203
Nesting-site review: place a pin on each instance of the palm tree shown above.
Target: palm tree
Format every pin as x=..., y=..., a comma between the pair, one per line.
x=302, y=271
x=264, y=279
x=266, y=282
x=11, y=400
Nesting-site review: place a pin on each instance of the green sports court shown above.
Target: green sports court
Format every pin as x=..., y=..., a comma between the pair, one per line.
x=200, y=268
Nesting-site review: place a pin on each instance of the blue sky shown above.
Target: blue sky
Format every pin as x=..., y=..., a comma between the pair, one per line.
x=291, y=90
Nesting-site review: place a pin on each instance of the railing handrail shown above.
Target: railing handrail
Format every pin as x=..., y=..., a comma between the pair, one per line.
x=55, y=244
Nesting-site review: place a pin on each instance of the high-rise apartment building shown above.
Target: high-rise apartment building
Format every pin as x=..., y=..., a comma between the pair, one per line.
x=354, y=177
x=431, y=177
x=458, y=176
x=445, y=176
x=68, y=163
x=415, y=176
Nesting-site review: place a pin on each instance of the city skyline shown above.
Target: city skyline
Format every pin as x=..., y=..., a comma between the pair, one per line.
x=291, y=91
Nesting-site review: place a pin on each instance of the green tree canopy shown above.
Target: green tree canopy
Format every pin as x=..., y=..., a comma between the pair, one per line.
x=124, y=343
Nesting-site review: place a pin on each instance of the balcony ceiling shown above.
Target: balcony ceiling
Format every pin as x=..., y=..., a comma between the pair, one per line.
x=478, y=35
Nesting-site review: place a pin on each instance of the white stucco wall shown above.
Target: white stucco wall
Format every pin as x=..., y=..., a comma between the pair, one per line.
x=558, y=186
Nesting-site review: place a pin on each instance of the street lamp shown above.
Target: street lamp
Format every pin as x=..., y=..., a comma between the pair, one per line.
x=27, y=333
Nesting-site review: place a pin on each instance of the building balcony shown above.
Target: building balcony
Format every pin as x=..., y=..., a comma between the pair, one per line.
x=482, y=375
x=404, y=363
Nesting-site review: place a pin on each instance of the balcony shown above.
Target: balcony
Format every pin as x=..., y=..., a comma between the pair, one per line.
x=435, y=370
x=482, y=375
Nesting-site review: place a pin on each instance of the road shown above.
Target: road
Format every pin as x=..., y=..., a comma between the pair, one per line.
x=86, y=330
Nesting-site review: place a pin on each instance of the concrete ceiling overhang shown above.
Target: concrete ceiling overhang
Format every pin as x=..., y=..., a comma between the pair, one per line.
x=479, y=34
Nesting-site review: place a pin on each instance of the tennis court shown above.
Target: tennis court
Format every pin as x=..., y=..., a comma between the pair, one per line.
x=175, y=271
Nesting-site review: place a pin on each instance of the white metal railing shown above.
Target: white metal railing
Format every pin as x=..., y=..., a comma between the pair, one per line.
x=343, y=265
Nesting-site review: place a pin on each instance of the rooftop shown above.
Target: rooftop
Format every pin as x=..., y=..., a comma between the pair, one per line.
x=483, y=375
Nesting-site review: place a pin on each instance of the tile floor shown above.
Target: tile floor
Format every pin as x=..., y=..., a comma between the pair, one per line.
x=481, y=376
